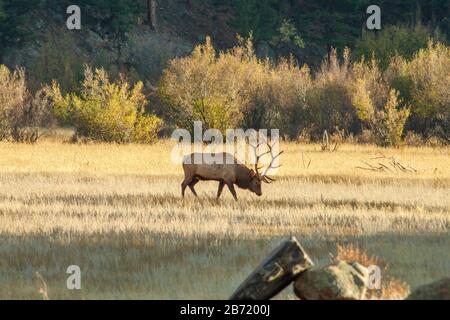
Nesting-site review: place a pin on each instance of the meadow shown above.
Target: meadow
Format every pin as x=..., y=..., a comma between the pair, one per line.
x=116, y=211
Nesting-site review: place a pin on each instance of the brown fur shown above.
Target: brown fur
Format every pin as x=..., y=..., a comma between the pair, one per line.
x=228, y=172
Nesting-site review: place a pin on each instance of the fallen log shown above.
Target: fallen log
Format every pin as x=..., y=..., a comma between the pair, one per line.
x=275, y=273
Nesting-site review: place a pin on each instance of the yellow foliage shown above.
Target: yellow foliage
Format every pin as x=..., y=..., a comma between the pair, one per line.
x=210, y=87
x=391, y=121
x=425, y=81
x=226, y=89
x=13, y=96
x=107, y=111
x=361, y=101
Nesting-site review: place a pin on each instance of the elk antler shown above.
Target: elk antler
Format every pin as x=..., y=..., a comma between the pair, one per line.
x=257, y=157
x=264, y=177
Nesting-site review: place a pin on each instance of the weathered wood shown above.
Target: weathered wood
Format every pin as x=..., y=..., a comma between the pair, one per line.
x=275, y=273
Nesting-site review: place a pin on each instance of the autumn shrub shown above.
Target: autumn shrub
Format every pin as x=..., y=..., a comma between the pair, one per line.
x=22, y=115
x=106, y=111
x=279, y=100
x=209, y=86
x=13, y=95
x=365, y=137
x=414, y=139
x=391, y=288
x=377, y=106
x=369, y=91
x=424, y=82
x=330, y=98
x=234, y=89
x=389, y=122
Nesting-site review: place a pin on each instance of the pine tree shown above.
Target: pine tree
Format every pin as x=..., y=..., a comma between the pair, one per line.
x=112, y=18
x=15, y=26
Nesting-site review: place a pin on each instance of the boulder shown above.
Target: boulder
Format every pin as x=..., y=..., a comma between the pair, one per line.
x=437, y=290
x=337, y=281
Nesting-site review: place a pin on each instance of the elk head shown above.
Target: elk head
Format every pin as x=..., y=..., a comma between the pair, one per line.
x=257, y=177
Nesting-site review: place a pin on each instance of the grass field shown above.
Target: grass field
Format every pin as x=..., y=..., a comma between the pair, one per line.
x=116, y=211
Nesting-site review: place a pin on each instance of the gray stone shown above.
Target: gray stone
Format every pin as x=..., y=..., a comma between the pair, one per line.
x=337, y=281
x=437, y=290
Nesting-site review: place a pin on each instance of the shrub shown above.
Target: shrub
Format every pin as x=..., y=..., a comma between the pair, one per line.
x=369, y=89
x=376, y=104
x=414, y=139
x=234, y=88
x=230, y=89
x=13, y=96
x=279, y=100
x=365, y=137
x=210, y=87
x=423, y=83
x=106, y=111
x=330, y=97
x=390, y=122
x=362, y=101
x=21, y=115
x=391, y=288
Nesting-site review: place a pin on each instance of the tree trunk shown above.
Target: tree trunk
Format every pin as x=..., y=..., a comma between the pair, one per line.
x=151, y=13
x=275, y=273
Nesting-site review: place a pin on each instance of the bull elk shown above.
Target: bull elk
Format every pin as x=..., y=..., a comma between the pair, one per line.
x=228, y=171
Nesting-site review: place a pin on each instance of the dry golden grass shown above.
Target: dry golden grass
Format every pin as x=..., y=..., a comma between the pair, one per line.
x=116, y=211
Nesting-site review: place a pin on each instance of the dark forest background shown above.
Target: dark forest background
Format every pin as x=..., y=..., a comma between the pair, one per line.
x=128, y=38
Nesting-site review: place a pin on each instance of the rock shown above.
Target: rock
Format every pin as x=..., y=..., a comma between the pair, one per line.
x=337, y=281
x=437, y=290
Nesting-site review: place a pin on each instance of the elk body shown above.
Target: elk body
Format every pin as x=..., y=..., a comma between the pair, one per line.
x=226, y=170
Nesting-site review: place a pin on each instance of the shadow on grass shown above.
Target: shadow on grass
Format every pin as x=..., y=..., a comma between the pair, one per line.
x=143, y=265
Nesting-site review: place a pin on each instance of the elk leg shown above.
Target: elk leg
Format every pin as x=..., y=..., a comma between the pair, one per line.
x=219, y=192
x=233, y=192
x=185, y=183
x=191, y=186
